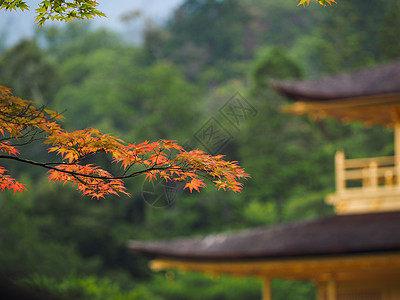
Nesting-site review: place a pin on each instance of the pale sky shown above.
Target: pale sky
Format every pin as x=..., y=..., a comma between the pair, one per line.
x=17, y=24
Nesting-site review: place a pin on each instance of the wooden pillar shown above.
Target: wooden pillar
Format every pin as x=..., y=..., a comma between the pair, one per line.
x=340, y=171
x=331, y=289
x=321, y=290
x=267, y=295
x=397, y=151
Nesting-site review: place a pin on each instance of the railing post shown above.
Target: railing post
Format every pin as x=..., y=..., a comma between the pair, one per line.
x=366, y=180
x=389, y=178
x=339, y=171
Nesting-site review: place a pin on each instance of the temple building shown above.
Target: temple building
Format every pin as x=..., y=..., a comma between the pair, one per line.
x=352, y=255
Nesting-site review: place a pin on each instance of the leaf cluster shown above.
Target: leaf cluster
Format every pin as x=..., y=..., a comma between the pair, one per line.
x=163, y=159
x=322, y=2
x=18, y=118
x=60, y=10
x=13, y=5
x=67, y=11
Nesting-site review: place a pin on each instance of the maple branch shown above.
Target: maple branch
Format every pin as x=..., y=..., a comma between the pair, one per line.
x=47, y=165
x=20, y=121
x=30, y=135
x=35, y=163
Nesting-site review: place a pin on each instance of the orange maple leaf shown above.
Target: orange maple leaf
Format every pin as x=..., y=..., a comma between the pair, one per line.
x=18, y=187
x=195, y=184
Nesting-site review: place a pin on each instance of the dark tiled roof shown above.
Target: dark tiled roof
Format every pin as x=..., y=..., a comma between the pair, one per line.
x=384, y=79
x=334, y=235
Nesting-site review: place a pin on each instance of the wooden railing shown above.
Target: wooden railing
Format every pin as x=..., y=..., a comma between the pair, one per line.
x=365, y=173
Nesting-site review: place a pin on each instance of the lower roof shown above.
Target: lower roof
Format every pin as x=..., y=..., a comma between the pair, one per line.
x=334, y=235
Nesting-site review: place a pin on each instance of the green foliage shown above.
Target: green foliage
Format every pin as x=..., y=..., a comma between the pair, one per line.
x=87, y=288
x=27, y=63
x=123, y=95
x=388, y=42
x=273, y=63
x=203, y=33
x=182, y=286
x=286, y=141
x=318, y=54
x=259, y=213
x=223, y=34
x=346, y=39
x=283, y=290
x=75, y=39
x=21, y=229
x=268, y=27
x=306, y=206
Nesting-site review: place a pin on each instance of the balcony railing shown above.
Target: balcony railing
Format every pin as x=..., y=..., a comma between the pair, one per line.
x=368, y=172
x=366, y=184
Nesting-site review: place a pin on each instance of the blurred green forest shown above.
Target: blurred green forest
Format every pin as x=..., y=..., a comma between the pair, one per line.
x=57, y=243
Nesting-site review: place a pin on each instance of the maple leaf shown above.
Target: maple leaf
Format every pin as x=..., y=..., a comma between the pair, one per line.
x=195, y=184
x=151, y=175
x=221, y=184
x=6, y=147
x=7, y=182
x=18, y=187
x=303, y=2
